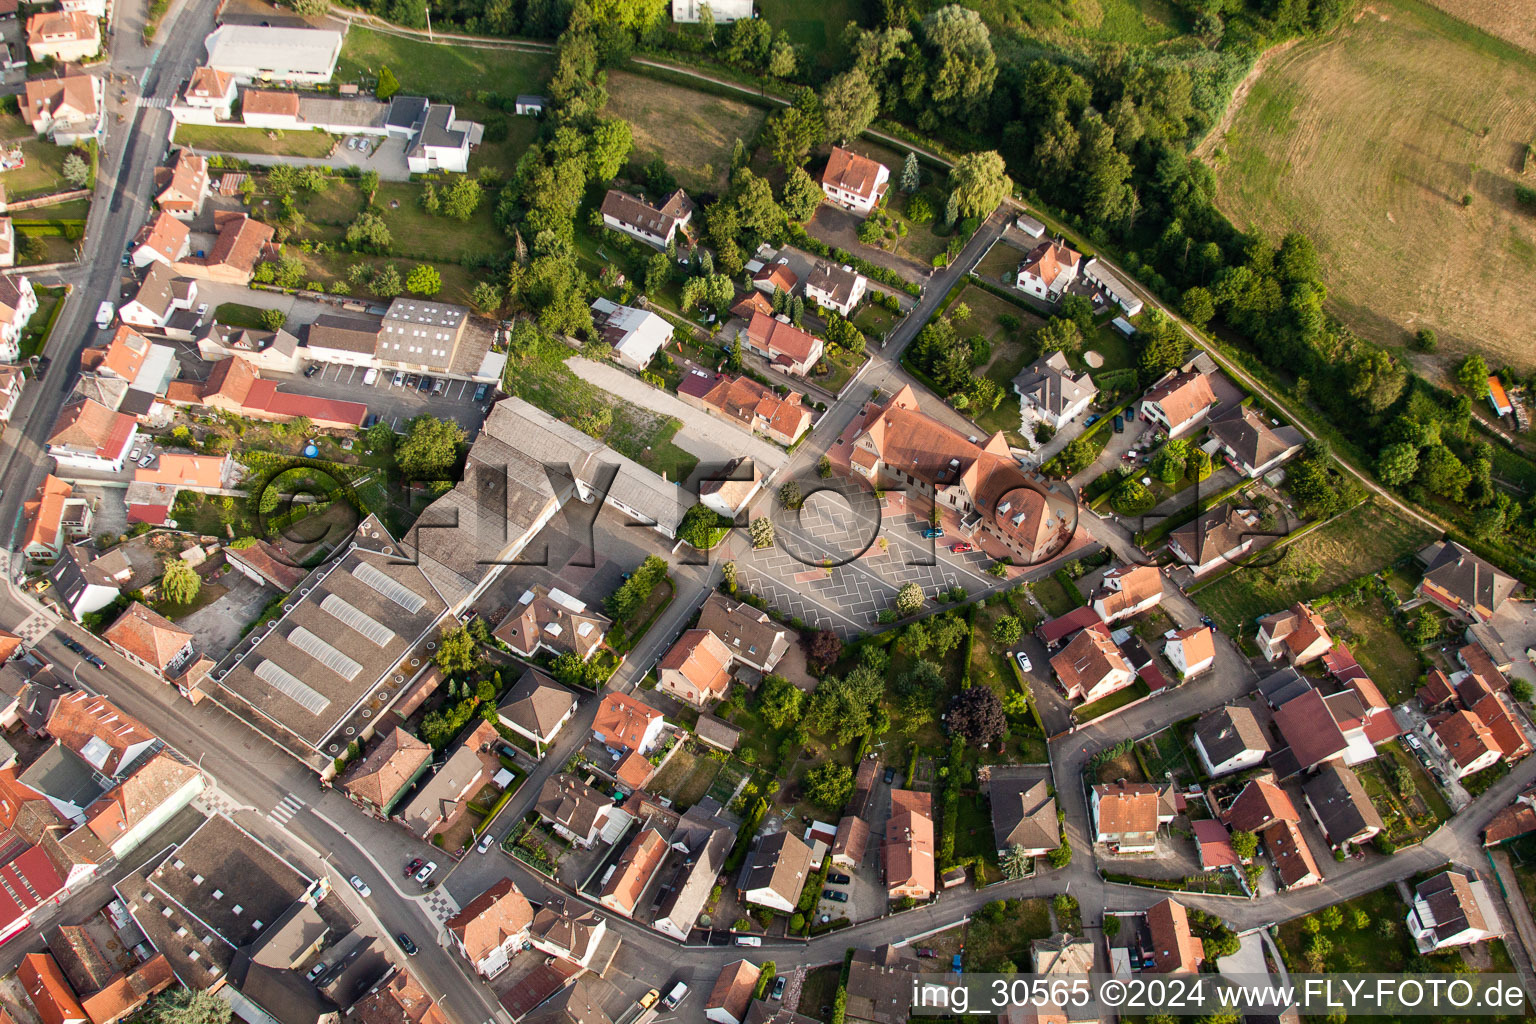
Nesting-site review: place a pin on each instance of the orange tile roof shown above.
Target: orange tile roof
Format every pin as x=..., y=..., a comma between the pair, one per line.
x=379, y=777
x=240, y=243
x=1199, y=644
x=635, y=770
x=9, y=644
x=1127, y=587
x=1503, y=726
x=634, y=871
x=165, y=235
x=1085, y=662
x=622, y=720
x=79, y=719
x=909, y=841
x=852, y=172
x=269, y=101
x=137, y=797
x=209, y=83
x=1182, y=397
x=733, y=989
x=1496, y=392
x=399, y=999
x=127, y=992
x=775, y=336
x=184, y=470
x=87, y=424
x=491, y=918
x=121, y=357
x=147, y=634
x=189, y=181
x=1048, y=260
x=744, y=399
x=1465, y=736
x=1127, y=807
x=61, y=25
x=74, y=90
x=1175, y=950
x=703, y=660
x=43, y=980
x=45, y=512
x=776, y=275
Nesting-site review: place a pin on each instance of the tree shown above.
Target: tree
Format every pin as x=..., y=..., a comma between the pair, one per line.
x=761, y=531
x=369, y=233
x=849, y=103
x=825, y=648
x=386, y=283
x=608, y=147
x=1473, y=375
x=911, y=174
x=800, y=195
x=486, y=297
x=978, y=182
x=1426, y=340
x=1015, y=862
x=75, y=170
x=1397, y=463
x=388, y=84
x=782, y=58
x=430, y=448
x=961, y=66
x=909, y=599
x=1245, y=844
x=1059, y=334
x=977, y=714
x=424, y=280
x=457, y=653
x=1061, y=856
x=789, y=135
x=790, y=496
x=272, y=319
x=702, y=527
x=780, y=702
x=829, y=785
x=179, y=582
x=185, y=1006
x=429, y=199
x=463, y=198
x=707, y=22
x=1006, y=631
x=1442, y=473
x=1198, y=306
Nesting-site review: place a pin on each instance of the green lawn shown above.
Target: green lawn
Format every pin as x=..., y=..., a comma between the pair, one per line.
x=694, y=132
x=1053, y=598
x=230, y=139
x=814, y=26
x=1000, y=264
x=1114, y=702
x=1167, y=752
x=1363, y=540
x=1374, y=953
x=875, y=321
x=1381, y=650
x=440, y=71
x=238, y=314
x=424, y=236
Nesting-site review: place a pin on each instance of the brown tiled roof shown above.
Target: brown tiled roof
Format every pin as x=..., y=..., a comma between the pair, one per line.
x=189, y=178
x=231, y=379
x=1259, y=804
x=1174, y=947
x=267, y=562
x=852, y=838
x=1503, y=725
x=570, y=802
x=90, y=425
x=733, y=989
x=909, y=841
x=536, y=702
x=62, y=25
x=852, y=172
x=78, y=719
x=127, y=992
x=1199, y=643
x=489, y=919
x=745, y=400
x=1310, y=729
x=1226, y=732
x=703, y=659
x=209, y=83
x=1246, y=433
x=137, y=798
x=45, y=512
x=622, y=720
x=1128, y=586
x=1127, y=807
x=776, y=275
x=656, y=220
x=775, y=336
x=1087, y=660
x=781, y=863
x=73, y=89
x=240, y=243
x=1451, y=903
x=1288, y=850
x=399, y=999
x=1047, y=261
x=1182, y=397
x=566, y=924
x=1468, y=578
x=1465, y=736
x=1516, y=820
x=379, y=777
x=634, y=871
x=1436, y=689
x=834, y=281
x=147, y=634
x=1341, y=804
x=121, y=357
x=1214, y=533
x=269, y=101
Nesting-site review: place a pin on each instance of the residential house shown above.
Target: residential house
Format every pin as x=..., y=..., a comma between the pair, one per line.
x=625, y=725
x=350, y=338
x=1295, y=867
x=1465, y=742
x=909, y=846
x=85, y=584
x=654, y=225
x=1126, y=816
x=1023, y=811
x=696, y=669
x=1314, y=735
x=554, y=621
x=150, y=640
x=1462, y=583
x=1340, y=806
x=1091, y=666
x=1516, y=820
x=186, y=187
x=88, y=435
x=12, y=383
x=68, y=108
x=1436, y=692
x=158, y=297
x=981, y=482
x=1112, y=286
x=775, y=871
x=1494, y=711
x=1178, y=402
x=729, y=490
x=48, y=990
x=567, y=929
x=633, y=872
x=770, y=279
x=835, y=287
x=1190, y=651
x=378, y=781
x=1175, y=950
x=1298, y=634
x=691, y=12
x=163, y=239
x=732, y=994
x=853, y=181
x=266, y=351
x=241, y=242
x=786, y=347
x=212, y=90
x=1047, y=270
x=439, y=802
x=635, y=335
x=1251, y=445
x=880, y=983
x=1215, y=539
x=442, y=142
x=750, y=634
x=745, y=402
x=573, y=809
x=65, y=36
x=704, y=840
x=107, y=993
x=1451, y=909
x=1127, y=591
x=397, y=998
x=17, y=304
x=54, y=517
x=1053, y=393
x=274, y=53
x=536, y=708
x=1229, y=739
x=492, y=927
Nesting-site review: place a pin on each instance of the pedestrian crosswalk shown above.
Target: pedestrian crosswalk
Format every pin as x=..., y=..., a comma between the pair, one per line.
x=157, y=102
x=284, y=811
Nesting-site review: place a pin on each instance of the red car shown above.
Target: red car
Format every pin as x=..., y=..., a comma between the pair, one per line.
x=413, y=867
x=960, y=549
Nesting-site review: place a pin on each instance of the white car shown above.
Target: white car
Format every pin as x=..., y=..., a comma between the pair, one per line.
x=352, y=143
x=104, y=314
x=486, y=842
x=427, y=871
x=1023, y=660
x=370, y=377
x=748, y=940
x=361, y=886
x=399, y=379
x=133, y=456
x=202, y=308
x=146, y=460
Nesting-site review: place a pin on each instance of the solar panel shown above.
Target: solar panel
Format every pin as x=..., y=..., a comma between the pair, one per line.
x=292, y=687
x=324, y=653
x=358, y=620
x=388, y=586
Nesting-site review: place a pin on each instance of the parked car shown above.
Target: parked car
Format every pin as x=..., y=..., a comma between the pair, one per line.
x=1412, y=741
x=104, y=313
x=406, y=944
x=748, y=940
x=413, y=866
x=399, y=379
x=425, y=384
x=311, y=369
x=426, y=872
x=1091, y=420
x=649, y=999
x=370, y=420
x=146, y=460
x=837, y=879
x=678, y=993
x=1119, y=423
x=1024, y=663
x=95, y=661
x=933, y=531
x=961, y=548
x=316, y=971
x=834, y=896
x=361, y=886
x=480, y=391
x=370, y=377
x=133, y=456
x=439, y=385
x=486, y=842
x=202, y=308
x=926, y=953
x=1207, y=622
x=778, y=988
x=412, y=379
x=890, y=776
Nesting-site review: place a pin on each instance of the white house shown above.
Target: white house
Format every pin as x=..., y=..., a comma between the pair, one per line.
x=85, y=584
x=163, y=239
x=775, y=872
x=12, y=383
x=1465, y=742
x=634, y=334
x=653, y=225
x=443, y=142
x=212, y=90
x=67, y=109
x=492, y=927
x=853, y=181
x=266, y=53
x=1190, y=651
x=1179, y=402
x=537, y=708
x=1053, y=393
x=1451, y=909
x=567, y=929
x=160, y=295
x=88, y=435
x=1047, y=270
x=1111, y=285
x=625, y=725
x=17, y=304
x=833, y=287
x=689, y=12
x=1229, y=739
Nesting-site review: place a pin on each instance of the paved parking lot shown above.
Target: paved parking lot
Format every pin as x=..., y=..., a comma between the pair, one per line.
x=395, y=404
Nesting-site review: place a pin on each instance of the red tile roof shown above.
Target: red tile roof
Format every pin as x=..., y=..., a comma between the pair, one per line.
x=1310, y=729
x=147, y=634
x=90, y=426
x=1175, y=950
x=43, y=980
x=1465, y=736
x=45, y=512
x=28, y=881
x=634, y=871
x=622, y=720
x=1215, y=845
x=776, y=337
x=1260, y=803
x=1292, y=857
x=852, y=172
x=490, y=919
x=703, y=659
x=1503, y=725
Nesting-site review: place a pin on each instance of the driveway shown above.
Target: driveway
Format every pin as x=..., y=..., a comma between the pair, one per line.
x=840, y=229
x=216, y=627
x=387, y=156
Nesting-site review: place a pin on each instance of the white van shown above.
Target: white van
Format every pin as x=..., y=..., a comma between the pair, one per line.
x=104, y=315
x=678, y=993
x=369, y=377
x=748, y=940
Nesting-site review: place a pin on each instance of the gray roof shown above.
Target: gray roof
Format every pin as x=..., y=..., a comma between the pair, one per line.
x=1023, y=809
x=406, y=112
x=536, y=702
x=1469, y=578
x=1282, y=686
x=282, y=50
x=1341, y=804
x=1229, y=731
x=283, y=994
x=838, y=282
x=780, y=863
x=572, y=803
x=438, y=797
x=749, y=633
x=107, y=391
x=353, y=112
x=283, y=943
x=1053, y=384
x=438, y=131
x=717, y=732
x=687, y=893
x=345, y=332
x=879, y=985
x=1253, y=440
x=1447, y=905
x=1213, y=533
x=74, y=570
x=636, y=212
x=61, y=773
x=155, y=292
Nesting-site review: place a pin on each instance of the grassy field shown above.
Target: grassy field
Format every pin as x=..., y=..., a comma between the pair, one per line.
x=1081, y=25
x=1382, y=651
x=413, y=229
x=1511, y=20
x=693, y=131
x=1010, y=351
x=225, y=139
x=438, y=71
x=991, y=946
x=1363, y=540
x=1371, y=104
x=1055, y=600
x=237, y=314
x=458, y=282
x=814, y=26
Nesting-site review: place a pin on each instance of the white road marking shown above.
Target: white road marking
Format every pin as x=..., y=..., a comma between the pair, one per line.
x=284, y=811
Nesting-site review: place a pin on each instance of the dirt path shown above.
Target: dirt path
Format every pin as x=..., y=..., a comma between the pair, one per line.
x=1218, y=133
